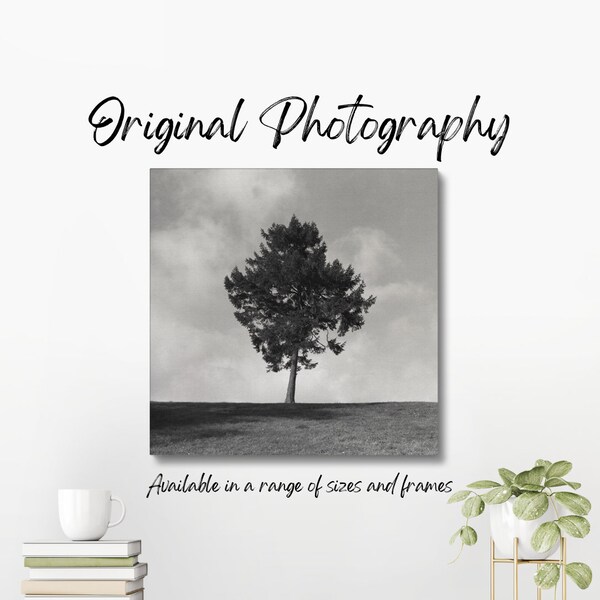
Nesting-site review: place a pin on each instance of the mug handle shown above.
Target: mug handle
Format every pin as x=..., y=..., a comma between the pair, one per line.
x=117, y=499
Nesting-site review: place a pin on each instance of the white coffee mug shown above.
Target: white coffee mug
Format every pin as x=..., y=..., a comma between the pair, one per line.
x=85, y=514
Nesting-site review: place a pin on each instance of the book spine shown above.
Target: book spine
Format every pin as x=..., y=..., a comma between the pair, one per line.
x=61, y=550
x=77, y=588
x=85, y=573
x=139, y=595
x=82, y=561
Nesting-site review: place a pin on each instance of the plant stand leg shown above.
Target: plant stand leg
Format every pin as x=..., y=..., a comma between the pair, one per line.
x=492, y=570
x=516, y=569
x=539, y=589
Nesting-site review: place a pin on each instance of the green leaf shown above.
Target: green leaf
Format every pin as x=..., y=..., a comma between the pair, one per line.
x=555, y=482
x=473, y=507
x=468, y=535
x=574, y=502
x=534, y=476
x=455, y=535
x=545, y=536
x=580, y=573
x=543, y=463
x=516, y=491
x=483, y=484
x=459, y=496
x=497, y=495
x=559, y=481
x=530, y=505
x=507, y=476
x=559, y=469
x=577, y=527
x=529, y=487
x=547, y=576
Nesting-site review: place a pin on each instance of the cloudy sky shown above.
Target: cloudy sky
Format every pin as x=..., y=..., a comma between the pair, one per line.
x=204, y=222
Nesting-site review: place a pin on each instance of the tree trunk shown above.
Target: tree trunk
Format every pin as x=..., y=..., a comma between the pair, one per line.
x=290, y=397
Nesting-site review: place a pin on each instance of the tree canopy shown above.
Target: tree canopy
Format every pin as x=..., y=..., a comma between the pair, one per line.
x=293, y=302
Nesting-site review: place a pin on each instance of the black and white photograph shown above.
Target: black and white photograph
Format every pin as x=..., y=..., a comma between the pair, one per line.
x=294, y=312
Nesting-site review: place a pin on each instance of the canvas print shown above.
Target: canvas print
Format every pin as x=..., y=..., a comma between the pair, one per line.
x=294, y=311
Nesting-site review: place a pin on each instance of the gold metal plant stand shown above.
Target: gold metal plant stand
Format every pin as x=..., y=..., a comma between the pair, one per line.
x=516, y=561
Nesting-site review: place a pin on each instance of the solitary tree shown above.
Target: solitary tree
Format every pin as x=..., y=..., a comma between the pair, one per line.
x=291, y=299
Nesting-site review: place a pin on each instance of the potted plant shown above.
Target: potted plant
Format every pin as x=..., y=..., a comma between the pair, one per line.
x=536, y=506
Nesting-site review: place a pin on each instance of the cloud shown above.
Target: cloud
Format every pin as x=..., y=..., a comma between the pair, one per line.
x=188, y=267
x=375, y=367
x=250, y=190
x=199, y=364
x=402, y=291
x=372, y=252
x=186, y=197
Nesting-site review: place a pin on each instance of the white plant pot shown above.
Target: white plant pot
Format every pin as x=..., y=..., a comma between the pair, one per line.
x=505, y=527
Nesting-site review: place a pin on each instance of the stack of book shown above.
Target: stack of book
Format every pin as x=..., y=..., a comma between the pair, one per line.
x=90, y=570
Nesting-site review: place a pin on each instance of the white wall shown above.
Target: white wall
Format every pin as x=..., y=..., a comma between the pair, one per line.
x=520, y=324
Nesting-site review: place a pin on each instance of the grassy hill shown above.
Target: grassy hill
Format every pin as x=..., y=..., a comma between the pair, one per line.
x=227, y=428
